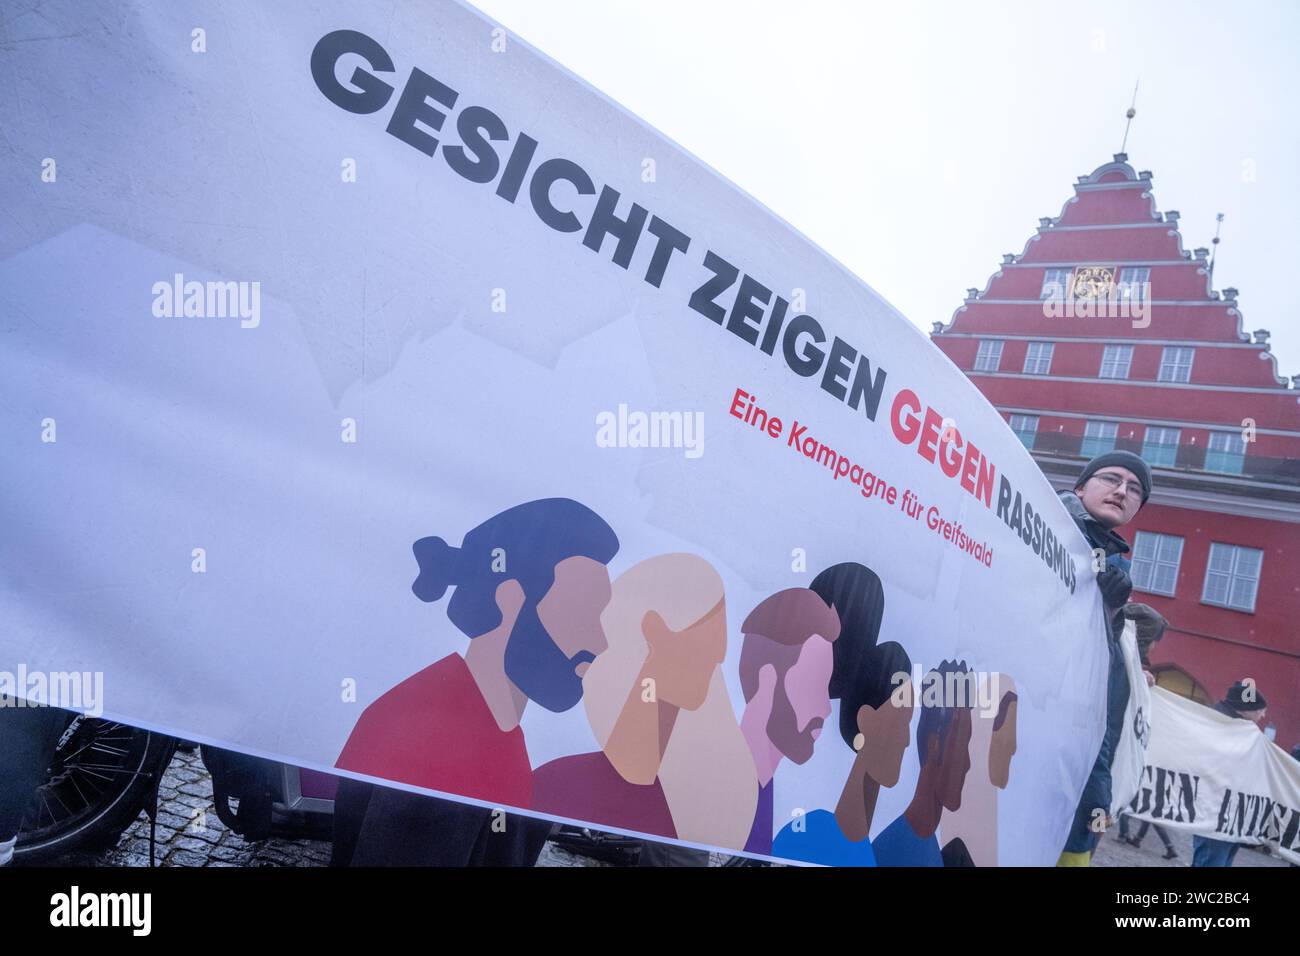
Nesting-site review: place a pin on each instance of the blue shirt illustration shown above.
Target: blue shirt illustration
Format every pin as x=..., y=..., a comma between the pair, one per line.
x=820, y=840
x=898, y=845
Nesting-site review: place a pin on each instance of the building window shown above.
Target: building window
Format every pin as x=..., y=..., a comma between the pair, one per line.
x=1056, y=284
x=1098, y=438
x=1038, y=358
x=989, y=356
x=1226, y=453
x=1026, y=428
x=1155, y=562
x=1115, y=361
x=1133, y=283
x=1176, y=364
x=1161, y=446
x=1232, y=576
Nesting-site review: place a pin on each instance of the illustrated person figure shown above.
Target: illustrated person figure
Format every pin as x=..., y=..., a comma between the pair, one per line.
x=874, y=720
x=1108, y=493
x=531, y=584
x=992, y=745
x=786, y=660
x=942, y=744
x=666, y=625
x=1243, y=702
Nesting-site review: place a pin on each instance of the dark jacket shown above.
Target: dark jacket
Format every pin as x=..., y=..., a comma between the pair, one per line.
x=1098, y=535
x=1097, y=791
x=1228, y=710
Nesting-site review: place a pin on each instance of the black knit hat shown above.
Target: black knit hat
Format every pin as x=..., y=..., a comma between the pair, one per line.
x=1120, y=459
x=1236, y=697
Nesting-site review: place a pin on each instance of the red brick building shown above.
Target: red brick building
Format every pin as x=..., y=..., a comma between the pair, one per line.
x=1105, y=333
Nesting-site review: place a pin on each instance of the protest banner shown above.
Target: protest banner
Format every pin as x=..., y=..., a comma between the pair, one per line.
x=379, y=397
x=1218, y=777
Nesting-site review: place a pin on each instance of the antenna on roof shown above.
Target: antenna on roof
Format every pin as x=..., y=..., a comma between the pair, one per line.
x=1218, y=223
x=1130, y=113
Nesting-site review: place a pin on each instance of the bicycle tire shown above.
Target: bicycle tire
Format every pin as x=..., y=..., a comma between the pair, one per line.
x=102, y=775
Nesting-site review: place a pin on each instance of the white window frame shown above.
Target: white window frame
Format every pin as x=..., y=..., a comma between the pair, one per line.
x=993, y=352
x=1106, y=433
x=1035, y=358
x=1119, y=358
x=1133, y=281
x=1173, y=368
x=1151, y=554
x=1056, y=284
x=1018, y=425
x=1231, y=572
x=1234, y=452
x=1148, y=444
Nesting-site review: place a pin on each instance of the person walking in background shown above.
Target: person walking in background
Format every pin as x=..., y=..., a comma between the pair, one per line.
x=1242, y=702
x=1136, y=841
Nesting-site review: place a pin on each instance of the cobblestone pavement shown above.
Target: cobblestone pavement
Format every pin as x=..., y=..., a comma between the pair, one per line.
x=189, y=833
x=1111, y=851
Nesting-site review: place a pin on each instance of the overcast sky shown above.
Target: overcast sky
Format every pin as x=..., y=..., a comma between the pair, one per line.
x=917, y=142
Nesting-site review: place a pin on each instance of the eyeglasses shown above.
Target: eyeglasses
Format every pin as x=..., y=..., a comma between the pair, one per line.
x=1132, y=489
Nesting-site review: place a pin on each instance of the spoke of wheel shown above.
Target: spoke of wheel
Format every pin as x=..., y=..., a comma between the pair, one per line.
x=92, y=773
x=115, y=751
x=97, y=761
x=74, y=754
x=95, y=740
x=96, y=788
x=80, y=750
x=45, y=803
x=76, y=786
x=117, y=770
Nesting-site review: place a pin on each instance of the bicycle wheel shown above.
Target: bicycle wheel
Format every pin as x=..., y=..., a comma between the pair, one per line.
x=99, y=780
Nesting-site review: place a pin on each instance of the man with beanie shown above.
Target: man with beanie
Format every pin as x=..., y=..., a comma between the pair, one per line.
x=1241, y=701
x=1108, y=493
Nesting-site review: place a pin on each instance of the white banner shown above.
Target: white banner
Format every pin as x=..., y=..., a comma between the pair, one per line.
x=374, y=393
x=1135, y=733
x=1218, y=777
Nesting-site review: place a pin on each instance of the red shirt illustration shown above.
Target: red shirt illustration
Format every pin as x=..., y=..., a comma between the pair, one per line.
x=435, y=730
x=587, y=787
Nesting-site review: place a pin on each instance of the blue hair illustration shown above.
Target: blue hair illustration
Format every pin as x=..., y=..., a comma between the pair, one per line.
x=523, y=543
